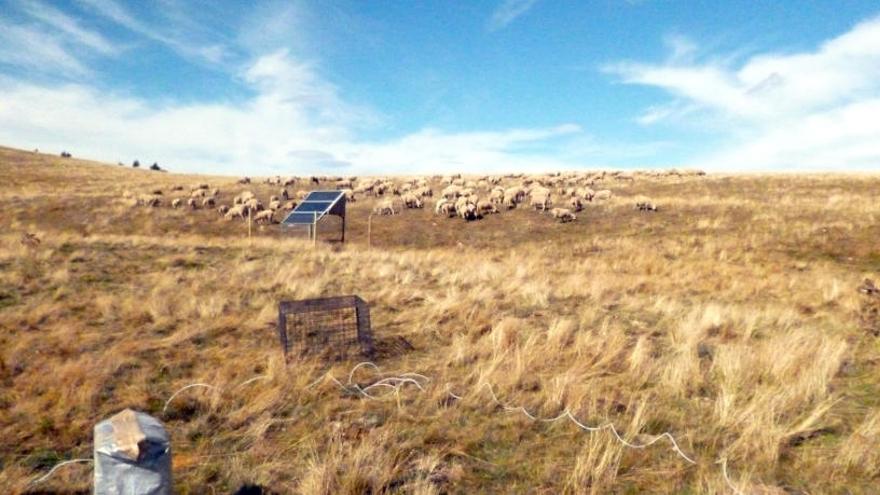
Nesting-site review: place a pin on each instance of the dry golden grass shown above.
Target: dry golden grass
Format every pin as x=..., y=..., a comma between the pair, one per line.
x=730, y=319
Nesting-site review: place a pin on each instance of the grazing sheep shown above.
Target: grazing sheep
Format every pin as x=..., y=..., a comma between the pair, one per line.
x=215, y=192
x=198, y=186
x=540, y=201
x=586, y=193
x=290, y=205
x=645, y=205
x=177, y=203
x=349, y=195
x=563, y=214
x=199, y=193
x=284, y=195
x=147, y=200
x=412, y=201
x=274, y=198
x=487, y=207
x=451, y=192
x=177, y=187
x=208, y=202
x=156, y=192
x=444, y=207
x=244, y=180
x=576, y=203
x=468, y=211
x=514, y=195
x=223, y=209
x=265, y=216
x=274, y=205
x=254, y=205
x=384, y=208
x=496, y=196
x=602, y=195
x=191, y=202
x=301, y=195
x=239, y=211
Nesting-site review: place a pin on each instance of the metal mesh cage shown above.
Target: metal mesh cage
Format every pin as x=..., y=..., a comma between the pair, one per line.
x=332, y=327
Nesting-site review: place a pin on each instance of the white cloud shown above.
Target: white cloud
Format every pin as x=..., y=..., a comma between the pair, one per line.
x=799, y=110
x=295, y=123
x=69, y=26
x=110, y=9
x=37, y=50
x=508, y=11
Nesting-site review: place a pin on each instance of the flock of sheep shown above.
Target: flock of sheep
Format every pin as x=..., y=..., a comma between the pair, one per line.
x=561, y=195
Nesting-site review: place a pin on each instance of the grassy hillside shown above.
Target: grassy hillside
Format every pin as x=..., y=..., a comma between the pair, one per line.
x=730, y=319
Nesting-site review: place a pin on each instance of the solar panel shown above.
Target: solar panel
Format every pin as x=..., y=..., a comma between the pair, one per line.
x=314, y=207
x=295, y=218
x=310, y=206
x=330, y=196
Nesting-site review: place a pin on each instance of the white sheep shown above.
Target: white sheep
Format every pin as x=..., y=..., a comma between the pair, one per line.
x=265, y=216
x=540, y=201
x=239, y=211
x=602, y=195
x=412, y=201
x=208, y=202
x=177, y=203
x=384, y=208
x=563, y=214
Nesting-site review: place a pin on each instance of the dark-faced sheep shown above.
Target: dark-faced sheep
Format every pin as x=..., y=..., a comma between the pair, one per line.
x=177, y=203
x=208, y=202
x=192, y=203
x=468, y=211
x=487, y=207
x=223, y=209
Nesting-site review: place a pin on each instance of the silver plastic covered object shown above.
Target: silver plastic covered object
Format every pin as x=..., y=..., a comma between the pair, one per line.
x=132, y=456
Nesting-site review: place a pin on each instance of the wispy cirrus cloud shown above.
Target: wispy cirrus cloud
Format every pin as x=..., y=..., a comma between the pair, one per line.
x=70, y=26
x=37, y=50
x=508, y=11
x=185, y=46
x=807, y=109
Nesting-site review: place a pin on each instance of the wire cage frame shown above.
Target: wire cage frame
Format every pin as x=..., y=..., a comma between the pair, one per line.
x=331, y=327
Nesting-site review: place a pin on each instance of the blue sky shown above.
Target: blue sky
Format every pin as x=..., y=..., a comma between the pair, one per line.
x=352, y=87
